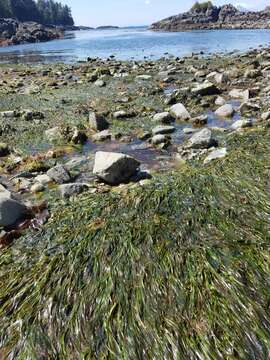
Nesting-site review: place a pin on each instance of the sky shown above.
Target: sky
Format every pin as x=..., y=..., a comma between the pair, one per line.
x=138, y=12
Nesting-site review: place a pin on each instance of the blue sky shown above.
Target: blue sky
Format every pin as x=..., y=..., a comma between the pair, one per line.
x=137, y=12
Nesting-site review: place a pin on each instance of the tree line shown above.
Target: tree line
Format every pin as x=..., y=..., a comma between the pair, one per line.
x=47, y=12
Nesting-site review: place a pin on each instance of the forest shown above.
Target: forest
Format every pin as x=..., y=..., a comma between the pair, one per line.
x=47, y=12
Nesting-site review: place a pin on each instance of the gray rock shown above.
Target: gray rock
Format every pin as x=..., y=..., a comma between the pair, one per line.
x=216, y=154
x=37, y=187
x=204, y=89
x=163, y=130
x=97, y=122
x=164, y=117
x=225, y=111
x=100, y=83
x=241, y=124
x=114, y=168
x=159, y=139
x=265, y=115
x=59, y=174
x=102, y=136
x=67, y=190
x=239, y=94
x=53, y=134
x=120, y=114
x=201, y=140
x=220, y=101
x=8, y=114
x=10, y=210
x=180, y=112
x=43, y=179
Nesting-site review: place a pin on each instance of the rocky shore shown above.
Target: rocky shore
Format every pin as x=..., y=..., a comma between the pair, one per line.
x=13, y=32
x=224, y=17
x=134, y=202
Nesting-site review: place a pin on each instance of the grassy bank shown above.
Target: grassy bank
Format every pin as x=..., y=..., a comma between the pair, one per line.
x=178, y=269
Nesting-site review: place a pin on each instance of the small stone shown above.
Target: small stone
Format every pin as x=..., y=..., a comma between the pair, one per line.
x=43, y=179
x=220, y=101
x=201, y=140
x=159, y=139
x=120, y=114
x=10, y=210
x=97, y=122
x=241, y=124
x=100, y=83
x=164, y=117
x=163, y=130
x=67, y=190
x=102, y=136
x=225, y=111
x=264, y=116
x=216, y=154
x=59, y=174
x=37, y=187
x=180, y=112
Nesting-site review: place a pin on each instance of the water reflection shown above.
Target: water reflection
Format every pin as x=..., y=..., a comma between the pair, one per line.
x=135, y=43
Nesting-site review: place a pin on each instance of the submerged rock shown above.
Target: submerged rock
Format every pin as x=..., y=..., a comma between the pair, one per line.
x=115, y=168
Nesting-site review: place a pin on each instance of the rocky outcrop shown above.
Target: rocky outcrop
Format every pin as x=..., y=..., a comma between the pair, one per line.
x=13, y=32
x=224, y=17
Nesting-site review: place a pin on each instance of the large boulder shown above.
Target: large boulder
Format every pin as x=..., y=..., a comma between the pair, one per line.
x=114, y=168
x=10, y=210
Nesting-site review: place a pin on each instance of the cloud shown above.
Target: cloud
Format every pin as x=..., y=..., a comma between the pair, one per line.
x=147, y=2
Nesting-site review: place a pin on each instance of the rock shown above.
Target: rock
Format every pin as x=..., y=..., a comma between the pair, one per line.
x=205, y=89
x=120, y=114
x=4, y=150
x=216, y=154
x=200, y=120
x=163, y=130
x=102, y=136
x=4, y=191
x=54, y=134
x=180, y=112
x=37, y=187
x=225, y=111
x=11, y=210
x=114, y=168
x=97, y=122
x=67, y=190
x=221, y=78
x=241, y=124
x=79, y=137
x=43, y=179
x=159, y=139
x=239, y=94
x=164, y=117
x=265, y=115
x=144, y=77
x=220, y=101
x=8, y=114
x=252, y=74
x=248, y=107
x=59, y=174
x=213, y=17
x=201, y=140
x=100, y=83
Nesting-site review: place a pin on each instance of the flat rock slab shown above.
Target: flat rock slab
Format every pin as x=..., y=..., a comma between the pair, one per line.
x=163, y=130
x=115, y=168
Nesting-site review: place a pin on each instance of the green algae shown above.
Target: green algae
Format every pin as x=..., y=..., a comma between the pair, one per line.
x=178, y=269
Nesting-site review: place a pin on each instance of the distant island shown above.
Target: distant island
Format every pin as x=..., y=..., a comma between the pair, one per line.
x=28, y=21
x=207, y=16
x=107, y=27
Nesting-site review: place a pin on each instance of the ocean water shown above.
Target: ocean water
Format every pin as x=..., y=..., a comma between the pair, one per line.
x=134, y=43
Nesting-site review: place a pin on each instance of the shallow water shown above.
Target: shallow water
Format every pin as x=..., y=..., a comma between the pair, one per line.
x=134, y=43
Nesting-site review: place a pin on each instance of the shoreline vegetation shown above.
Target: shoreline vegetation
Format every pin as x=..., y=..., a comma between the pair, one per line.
x=206, y=16
x=156, y=246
